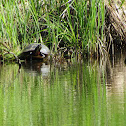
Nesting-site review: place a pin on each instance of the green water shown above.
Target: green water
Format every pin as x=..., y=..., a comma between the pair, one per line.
x=69, y=94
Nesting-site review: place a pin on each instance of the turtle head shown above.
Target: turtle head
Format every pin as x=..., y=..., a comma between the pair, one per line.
x=37, y=49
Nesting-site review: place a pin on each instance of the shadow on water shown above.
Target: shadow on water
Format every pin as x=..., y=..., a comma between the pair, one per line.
x=71, y=93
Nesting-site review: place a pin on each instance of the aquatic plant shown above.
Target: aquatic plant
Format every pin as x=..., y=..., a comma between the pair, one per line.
x=77, y=24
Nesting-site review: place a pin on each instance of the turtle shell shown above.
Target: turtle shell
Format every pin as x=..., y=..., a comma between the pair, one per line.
x=35, y=51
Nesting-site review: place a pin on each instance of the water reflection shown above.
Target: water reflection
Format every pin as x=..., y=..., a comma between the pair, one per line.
x=116, y=72
x=36, y=68
x=116, y=85
x=69, y=93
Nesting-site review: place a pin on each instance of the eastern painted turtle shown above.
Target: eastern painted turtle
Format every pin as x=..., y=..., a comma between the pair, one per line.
x=35, y=51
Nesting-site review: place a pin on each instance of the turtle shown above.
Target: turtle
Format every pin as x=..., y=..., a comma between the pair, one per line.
x=34, y=51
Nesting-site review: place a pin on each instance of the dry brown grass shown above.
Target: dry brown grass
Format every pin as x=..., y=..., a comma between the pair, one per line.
x=116, y=19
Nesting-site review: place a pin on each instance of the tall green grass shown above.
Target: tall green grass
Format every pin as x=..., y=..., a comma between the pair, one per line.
x=75, y=24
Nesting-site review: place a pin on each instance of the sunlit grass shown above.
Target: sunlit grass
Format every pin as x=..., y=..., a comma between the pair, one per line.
x=70, y=24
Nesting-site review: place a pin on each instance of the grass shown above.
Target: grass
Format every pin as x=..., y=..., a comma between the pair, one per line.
x=74, y=24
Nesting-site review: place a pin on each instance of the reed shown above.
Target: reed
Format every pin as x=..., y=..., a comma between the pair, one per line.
x=70, y=23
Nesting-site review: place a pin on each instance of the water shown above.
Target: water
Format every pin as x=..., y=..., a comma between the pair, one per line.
x=74, y=93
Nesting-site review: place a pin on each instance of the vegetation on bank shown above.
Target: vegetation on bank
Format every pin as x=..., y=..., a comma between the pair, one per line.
x=76, y=25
